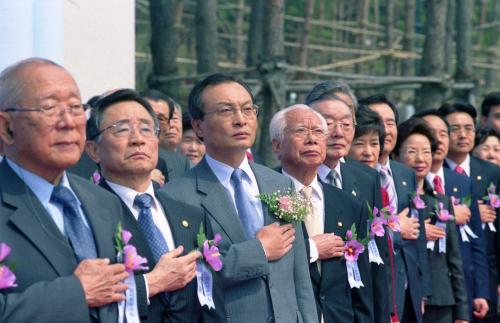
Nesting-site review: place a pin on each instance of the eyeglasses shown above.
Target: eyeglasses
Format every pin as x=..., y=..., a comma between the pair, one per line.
x=54, y=111
x=344, y=125
x=228, y=111
x=455, y=129
x=123, y=129
x=303, y=132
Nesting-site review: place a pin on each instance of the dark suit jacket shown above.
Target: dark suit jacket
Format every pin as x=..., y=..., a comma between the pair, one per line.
x=335, y=299
x=474, y=259
x=363, y=183
x=183, y=305
x=447, y=275
x=171, y=164
x=411, y=262
x=255, y=290
x=47, y=289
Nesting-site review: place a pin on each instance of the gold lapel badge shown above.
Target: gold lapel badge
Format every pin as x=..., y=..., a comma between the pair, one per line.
x=455, y=189
x=479, y=178
x=339, y=224
x=185, y=224
x=354, y=193
x=404, y=183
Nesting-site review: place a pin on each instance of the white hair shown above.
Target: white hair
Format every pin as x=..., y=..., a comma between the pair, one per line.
x=279, y=123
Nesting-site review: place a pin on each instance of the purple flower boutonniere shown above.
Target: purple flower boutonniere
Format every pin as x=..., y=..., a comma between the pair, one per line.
x=443, y=214
x=96, y=177
x=492, y=197
x=127, y=253
x=352, y=249
x=417, y=201
x=288, y=206
x=377, y=222
x=209, y=249
x=7, y=277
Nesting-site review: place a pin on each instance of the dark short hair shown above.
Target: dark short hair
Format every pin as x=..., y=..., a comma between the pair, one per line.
x=368, y=121
x=431, y=112
x=328, y=90
x=482, y=133
x=380, y=98
x=186, y=122
x=459, y=106
x=491, y=100
x=157, y=95
x=104, y=102
x=195, y=99
x=410, y=127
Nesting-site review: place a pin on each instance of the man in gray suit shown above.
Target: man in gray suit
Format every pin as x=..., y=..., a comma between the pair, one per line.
x=265, y=275
x=60, y=227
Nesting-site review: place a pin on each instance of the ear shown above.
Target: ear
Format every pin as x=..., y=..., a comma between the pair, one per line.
x=6, y=129
x=196, y=123
x=91, y=149
x=276, y=148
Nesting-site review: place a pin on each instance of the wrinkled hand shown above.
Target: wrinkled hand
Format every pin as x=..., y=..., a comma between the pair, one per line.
x=276, y=240
x=460, y=321
x=433, y=232
x=462, y=214
x=487, y=212
x=410, y=228
x=101, y=282
x=157, y=176
x=480, y=308
x=172, y=272
x=329, y=245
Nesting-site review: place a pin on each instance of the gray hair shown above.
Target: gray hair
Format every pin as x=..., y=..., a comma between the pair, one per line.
x=279, y=123
x=327, y=90
x=12, y=86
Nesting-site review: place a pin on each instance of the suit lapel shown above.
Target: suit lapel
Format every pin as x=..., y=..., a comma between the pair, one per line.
x=349, y=181
x=266, y=185
x=401, y=183
x=31, y=218
x=217, y=203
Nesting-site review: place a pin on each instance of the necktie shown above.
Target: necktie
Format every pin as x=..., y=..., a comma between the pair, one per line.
x=334, y=178
x=249, y=219
x=388, y=184
x=313, y=221
x=153, y=235
x=438, y=185
x=249, y=156
x=78, y=233
x=460, y=170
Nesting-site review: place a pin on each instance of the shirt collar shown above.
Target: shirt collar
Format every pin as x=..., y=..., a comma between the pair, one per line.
x=315, y=185
x=38, y=185
x=430, y=177
x=387, y=165
x=324, y=171
x=223, y=171
x=465, y=164
x=128, y=194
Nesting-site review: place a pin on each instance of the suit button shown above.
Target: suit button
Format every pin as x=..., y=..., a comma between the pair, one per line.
x=270, y=320
x=322, y=297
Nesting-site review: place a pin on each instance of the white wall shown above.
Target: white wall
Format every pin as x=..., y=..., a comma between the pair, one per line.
x=93, y=39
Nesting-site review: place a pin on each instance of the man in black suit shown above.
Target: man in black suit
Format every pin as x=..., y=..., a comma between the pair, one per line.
x=299, y=141
x=460, y=116
x=59, y=226
x=123, y=140
x=412, y=280
x=336, y=103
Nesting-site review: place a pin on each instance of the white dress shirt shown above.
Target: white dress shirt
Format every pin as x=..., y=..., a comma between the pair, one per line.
x=465, y=164
x=318, y=203
x=393, y=187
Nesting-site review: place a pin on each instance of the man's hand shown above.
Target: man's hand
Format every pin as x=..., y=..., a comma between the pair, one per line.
x=276, y=240
x=460, y=321
x=157, y=176
x=172, y=272
x=329, y=245
x=409, y=226
x=480, y=308
x=433, y=232
x=487, y=212
x=462, y=214
x=101, y=282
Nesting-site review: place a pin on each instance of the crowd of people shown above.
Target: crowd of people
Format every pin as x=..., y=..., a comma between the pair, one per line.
x=368, y=218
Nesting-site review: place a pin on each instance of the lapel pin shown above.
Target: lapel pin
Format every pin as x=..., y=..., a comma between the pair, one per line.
x=339, y=224
x=479, y=178
x=455, y=189
x=185, y=224
x=404, y=183
x=353, y=193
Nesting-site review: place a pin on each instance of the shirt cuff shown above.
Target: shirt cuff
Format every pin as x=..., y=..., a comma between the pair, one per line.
x=147, y=289
x=313, y=251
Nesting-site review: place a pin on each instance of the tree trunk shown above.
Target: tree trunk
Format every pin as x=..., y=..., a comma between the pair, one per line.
x=432, y=95
x=407, y=66
x=450, y=38
x=255, y=34
x=240, y=14
x=463, y=39
x=304, y=37
x=206, y=35
x=492, y=75
x=389, y=36
x=363, y=14
x=273, y=78
x=164, y=44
